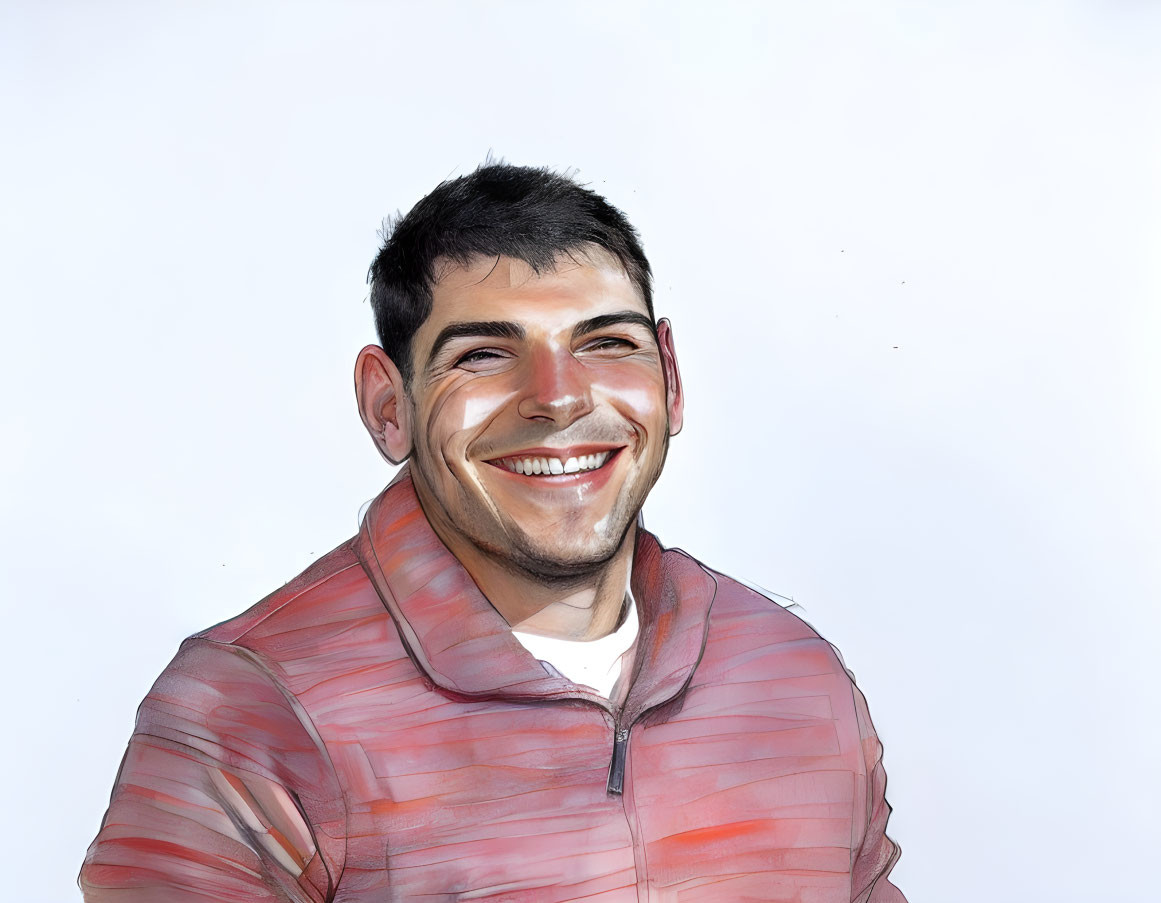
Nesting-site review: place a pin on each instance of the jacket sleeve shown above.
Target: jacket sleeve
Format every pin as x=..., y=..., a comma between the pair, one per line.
x=226, y=793
x=877, y=853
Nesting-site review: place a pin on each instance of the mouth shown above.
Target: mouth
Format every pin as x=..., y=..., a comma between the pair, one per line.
x=567, y=463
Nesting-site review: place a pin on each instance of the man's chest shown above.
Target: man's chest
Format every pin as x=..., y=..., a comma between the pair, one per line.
x=739, y=786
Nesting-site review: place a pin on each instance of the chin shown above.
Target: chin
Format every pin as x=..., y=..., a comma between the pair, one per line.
x=563, y=557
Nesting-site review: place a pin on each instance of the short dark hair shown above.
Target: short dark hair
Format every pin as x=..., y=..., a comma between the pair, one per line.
x=529, y=213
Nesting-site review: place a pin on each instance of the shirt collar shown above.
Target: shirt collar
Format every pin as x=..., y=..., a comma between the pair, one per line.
x=466, y=647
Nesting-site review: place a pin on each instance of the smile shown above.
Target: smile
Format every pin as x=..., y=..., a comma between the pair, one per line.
x=547, y=465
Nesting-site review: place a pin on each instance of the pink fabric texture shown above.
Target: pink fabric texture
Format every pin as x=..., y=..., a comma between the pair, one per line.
x=373, y=732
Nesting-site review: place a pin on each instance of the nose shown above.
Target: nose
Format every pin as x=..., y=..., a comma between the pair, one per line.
x=556, y=388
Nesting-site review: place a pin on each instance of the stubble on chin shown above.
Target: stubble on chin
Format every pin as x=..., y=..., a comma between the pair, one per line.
x=563, y=562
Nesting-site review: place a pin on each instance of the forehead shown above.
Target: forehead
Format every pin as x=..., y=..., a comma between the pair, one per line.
x=579, y=286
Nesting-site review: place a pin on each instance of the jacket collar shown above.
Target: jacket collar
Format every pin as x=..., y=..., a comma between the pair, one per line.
x=466, y=647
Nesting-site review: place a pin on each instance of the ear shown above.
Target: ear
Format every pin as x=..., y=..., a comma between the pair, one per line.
x=383, y=403
x=674, y=397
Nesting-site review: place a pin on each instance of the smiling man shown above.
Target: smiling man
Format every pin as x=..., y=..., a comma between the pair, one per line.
x=536, y=421
x=504, y=688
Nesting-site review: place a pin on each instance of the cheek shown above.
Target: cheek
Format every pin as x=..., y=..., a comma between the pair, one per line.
x=455, y=417
x=638, y=397
x=478, y=410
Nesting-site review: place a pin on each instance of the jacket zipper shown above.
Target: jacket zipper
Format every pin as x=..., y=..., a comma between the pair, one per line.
x=616, y=786
x=617, y=766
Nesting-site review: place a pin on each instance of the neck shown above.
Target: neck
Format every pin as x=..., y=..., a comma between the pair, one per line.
x=588, y=610
x=584, y=607
x=581, y=608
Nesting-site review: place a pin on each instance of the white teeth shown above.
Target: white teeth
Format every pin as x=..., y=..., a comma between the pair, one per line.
x=531, y=466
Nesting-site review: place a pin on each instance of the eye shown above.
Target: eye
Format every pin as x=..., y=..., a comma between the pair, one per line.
x=480, y=358
x=609, y=344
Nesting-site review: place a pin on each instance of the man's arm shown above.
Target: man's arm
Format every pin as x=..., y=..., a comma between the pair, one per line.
x=225, y=793
x=877, y=853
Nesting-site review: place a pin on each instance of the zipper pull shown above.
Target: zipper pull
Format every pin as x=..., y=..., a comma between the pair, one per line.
x=617, y=768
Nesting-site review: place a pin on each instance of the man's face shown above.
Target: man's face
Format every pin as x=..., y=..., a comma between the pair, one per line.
x=541, y=411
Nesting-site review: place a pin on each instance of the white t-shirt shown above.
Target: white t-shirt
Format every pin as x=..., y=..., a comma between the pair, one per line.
x=593, y=663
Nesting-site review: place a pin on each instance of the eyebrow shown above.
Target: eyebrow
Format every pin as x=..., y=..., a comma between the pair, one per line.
x=620, y=318
x=505, y=329
x=494, y=329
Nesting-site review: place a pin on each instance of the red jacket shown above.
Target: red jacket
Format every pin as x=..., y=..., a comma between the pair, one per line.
x=373, y=732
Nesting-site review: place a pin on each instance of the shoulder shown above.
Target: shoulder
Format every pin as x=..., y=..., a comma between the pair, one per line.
x=327, y=597
x=754, y=634
x=251, y=677
x=771, y=612
x=305, y=639
x=244, y=661
x=756, y=647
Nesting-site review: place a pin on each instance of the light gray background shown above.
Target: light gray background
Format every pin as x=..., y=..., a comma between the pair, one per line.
x=910, y=251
